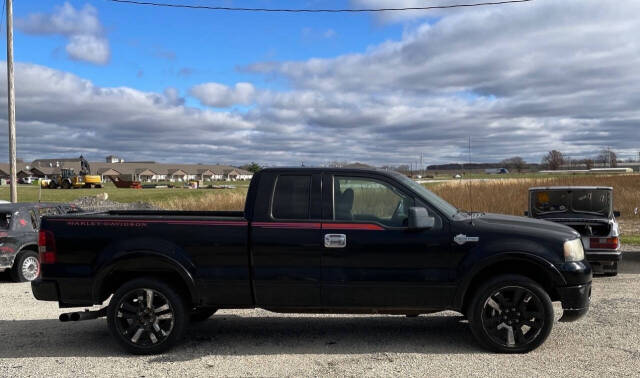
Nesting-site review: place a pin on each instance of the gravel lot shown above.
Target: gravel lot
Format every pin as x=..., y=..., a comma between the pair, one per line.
x=259, y=343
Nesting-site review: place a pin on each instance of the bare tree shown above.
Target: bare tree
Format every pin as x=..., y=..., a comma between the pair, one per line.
x=588, y=163
x=607, y=158
x=553, y=160
x=515, y=163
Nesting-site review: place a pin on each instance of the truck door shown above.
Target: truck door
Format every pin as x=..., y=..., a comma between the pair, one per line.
x=286, y=245
x=371, y=260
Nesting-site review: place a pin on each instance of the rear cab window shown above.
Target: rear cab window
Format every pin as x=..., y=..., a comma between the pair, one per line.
x=292, y=198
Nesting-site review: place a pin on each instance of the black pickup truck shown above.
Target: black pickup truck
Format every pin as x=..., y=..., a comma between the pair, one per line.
x=316, y=240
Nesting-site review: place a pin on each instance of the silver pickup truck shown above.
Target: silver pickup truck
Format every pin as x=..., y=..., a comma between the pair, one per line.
x=588, y=210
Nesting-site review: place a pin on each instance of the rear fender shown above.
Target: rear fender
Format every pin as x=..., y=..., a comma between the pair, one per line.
x=164, y=257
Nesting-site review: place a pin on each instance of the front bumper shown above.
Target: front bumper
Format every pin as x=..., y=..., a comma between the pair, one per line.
x=575, y=301
x=45, y=290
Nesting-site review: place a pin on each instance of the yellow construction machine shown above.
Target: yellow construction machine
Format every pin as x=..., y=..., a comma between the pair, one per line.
x=68, y=179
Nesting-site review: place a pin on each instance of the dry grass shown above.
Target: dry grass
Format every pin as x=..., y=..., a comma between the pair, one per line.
x=509, y=196
x=210, y=201
x=506, y=196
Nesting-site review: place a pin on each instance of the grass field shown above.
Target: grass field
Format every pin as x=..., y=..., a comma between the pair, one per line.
x=166, y=198
x=630, y=239
x=499, y=195
x=509, y=196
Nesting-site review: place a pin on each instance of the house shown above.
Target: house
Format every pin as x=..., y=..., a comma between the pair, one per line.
x=155, y=172
x=22, y=170
x=145, y=171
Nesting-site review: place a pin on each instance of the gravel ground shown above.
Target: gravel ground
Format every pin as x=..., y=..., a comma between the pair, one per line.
x=259, y=343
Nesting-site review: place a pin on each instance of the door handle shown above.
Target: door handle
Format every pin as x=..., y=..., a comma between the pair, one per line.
x=335, y=240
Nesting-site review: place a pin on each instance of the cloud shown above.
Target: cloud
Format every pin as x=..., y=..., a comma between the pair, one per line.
x=518, y=80
x=221, y=96
x=82, y=28
x=329, y=33
x=311, y=34
x=61, y=114
x=88, y=48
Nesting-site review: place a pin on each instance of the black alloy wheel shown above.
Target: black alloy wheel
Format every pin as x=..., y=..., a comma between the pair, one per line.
x=511, y=314
x=146, y=316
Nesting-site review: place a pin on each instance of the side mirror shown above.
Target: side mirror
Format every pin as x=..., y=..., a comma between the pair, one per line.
x=419, y=219
x=526, y=213
x=616, y=213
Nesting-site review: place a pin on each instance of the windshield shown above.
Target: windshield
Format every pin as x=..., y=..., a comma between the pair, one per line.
x=442, y=205
x=590, y=201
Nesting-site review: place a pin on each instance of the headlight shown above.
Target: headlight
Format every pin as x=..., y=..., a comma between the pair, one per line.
x=573, y=250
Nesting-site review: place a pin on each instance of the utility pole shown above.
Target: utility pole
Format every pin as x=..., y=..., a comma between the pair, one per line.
x=11, y=92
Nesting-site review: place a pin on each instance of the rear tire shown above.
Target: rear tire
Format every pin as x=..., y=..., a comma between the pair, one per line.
x=146, y=316
x=26, y=267
x=511, y=314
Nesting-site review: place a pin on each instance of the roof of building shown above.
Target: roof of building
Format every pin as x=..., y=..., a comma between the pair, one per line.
x=53, y=166
x=130, y=168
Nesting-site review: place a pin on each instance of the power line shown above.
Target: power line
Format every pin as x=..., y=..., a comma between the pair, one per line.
x=276, y=10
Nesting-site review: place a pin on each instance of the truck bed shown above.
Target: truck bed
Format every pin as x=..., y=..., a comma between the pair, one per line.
x=210, y=246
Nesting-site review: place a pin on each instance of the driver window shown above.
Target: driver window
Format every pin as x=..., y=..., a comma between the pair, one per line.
x=362, y=199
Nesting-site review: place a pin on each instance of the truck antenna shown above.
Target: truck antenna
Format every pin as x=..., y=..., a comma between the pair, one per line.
x=469, y=182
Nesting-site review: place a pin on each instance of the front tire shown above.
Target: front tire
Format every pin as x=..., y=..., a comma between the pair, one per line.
x=26, y=267
x=146, y=316
x=511, y=314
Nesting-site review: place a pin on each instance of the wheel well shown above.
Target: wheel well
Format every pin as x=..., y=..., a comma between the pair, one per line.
x=117, y=278
x=527, y=269
x=30, y=248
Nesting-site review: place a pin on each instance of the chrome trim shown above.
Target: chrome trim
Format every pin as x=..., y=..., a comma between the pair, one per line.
x=464, y=239
x=335, y=240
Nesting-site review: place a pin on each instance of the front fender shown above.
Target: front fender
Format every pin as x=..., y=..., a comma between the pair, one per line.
x=551, y=272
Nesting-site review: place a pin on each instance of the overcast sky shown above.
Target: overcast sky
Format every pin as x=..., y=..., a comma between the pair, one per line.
x=178, y=85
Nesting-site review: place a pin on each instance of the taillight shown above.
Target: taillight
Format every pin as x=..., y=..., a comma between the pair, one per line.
x=47, y=247
x=604, y=243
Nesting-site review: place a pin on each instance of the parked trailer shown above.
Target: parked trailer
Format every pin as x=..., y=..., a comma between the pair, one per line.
x=125, y=184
